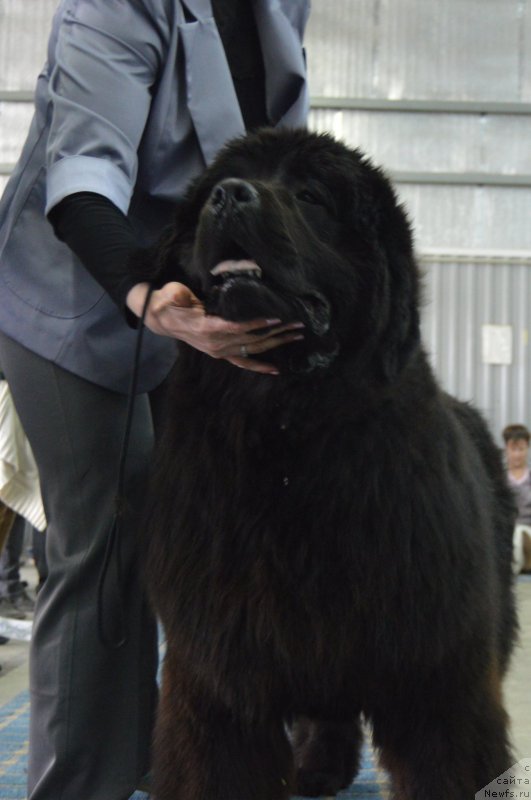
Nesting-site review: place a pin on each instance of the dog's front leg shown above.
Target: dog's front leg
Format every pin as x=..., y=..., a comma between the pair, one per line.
x=444, y=738
x=203, y=752
x=327, y=755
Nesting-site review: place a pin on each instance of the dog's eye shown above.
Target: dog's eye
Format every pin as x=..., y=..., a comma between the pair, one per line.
x=309, y=197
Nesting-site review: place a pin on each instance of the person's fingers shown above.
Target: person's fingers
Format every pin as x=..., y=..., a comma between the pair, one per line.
x=221, y=339
x=245, y=357
x=251, y=365
x=175, y=296
x=276, y=330
x=214, y=325
x=262, y=346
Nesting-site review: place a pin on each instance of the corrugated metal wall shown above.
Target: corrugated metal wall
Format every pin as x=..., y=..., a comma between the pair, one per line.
x=24, y=27
x=458, y=49
x=439, y=93
x=464, y=292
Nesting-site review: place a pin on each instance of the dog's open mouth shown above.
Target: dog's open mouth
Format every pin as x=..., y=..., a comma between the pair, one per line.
x=232, y=273
x=241, y=286
x=233, y=269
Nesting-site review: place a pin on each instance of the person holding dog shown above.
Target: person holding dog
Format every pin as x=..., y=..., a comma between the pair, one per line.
x=135, y=99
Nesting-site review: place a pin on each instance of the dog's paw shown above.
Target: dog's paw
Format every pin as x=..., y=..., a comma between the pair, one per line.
x=318, y=784
x=326, y=755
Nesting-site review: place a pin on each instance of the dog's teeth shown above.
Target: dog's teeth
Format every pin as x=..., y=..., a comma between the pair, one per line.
x=242, y=266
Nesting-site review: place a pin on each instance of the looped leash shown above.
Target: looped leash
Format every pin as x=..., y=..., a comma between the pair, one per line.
x=113, y=546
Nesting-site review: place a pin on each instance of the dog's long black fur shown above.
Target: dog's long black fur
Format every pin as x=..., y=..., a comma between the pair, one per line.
x=333, y=542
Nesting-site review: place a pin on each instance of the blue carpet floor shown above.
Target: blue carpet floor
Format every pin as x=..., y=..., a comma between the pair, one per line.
x=369, y=785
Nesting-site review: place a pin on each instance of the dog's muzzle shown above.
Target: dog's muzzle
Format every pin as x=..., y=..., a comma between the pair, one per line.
x=232, y=195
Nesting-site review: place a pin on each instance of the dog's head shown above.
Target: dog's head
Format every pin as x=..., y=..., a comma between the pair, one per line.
x=296, y=226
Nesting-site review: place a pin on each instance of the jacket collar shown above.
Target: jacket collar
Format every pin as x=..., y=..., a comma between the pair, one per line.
x=286, y=94
x=220, y=119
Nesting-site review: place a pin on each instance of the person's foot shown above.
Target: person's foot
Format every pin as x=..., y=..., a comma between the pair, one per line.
x=22, y=601
x=7, y=609
x=4, y=640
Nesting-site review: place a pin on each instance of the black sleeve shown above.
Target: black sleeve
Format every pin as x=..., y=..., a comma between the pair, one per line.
x=102, y=238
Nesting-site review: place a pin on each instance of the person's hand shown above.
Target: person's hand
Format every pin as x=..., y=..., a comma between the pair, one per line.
x=176, y=312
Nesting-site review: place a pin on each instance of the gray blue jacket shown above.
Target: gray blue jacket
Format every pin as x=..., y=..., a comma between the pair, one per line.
x=135, y=99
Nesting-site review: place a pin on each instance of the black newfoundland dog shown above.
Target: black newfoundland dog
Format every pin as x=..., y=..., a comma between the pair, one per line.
x=332, y=544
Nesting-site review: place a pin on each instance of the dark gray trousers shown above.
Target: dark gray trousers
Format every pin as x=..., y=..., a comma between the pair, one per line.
x=92, y=706
x=10, y=558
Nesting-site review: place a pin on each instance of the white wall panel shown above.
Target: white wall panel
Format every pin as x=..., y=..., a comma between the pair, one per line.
x=462, y=50
x=451, y=49
x=437, y=142
x=14, y=123
x=341, y=43
x=524, y=66
x=24, y=27
x=484, y=217
x=459, y=299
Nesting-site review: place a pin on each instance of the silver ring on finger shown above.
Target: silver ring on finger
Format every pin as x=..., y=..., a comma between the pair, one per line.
x=243, y=351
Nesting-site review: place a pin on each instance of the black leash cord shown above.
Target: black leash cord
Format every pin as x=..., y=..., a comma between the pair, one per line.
x=113, y=546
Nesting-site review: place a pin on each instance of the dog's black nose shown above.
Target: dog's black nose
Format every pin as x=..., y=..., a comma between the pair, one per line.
x=232, y=192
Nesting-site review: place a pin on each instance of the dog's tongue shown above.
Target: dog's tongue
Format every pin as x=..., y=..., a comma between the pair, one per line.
x=235, y=266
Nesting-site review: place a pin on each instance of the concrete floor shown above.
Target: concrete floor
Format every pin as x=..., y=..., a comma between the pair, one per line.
x=14, y=675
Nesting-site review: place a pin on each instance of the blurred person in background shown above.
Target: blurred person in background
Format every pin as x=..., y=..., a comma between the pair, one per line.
x=516, y=438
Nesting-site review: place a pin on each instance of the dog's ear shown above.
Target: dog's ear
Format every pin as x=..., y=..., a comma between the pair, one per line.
x=400, y=338
x=162, y=262
x=154, y=263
